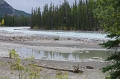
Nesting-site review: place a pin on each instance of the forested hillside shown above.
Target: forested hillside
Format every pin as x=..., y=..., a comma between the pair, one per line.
x=78, y=16
x=12, y=17
x=6, y=9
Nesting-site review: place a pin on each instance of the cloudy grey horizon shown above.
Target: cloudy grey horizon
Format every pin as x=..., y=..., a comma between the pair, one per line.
x=27, y=5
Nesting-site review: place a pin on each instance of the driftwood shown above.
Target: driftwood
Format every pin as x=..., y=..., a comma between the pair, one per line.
x=89, y=67
x=76, y=69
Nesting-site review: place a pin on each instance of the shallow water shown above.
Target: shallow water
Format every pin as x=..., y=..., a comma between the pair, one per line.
x=83, y=55
x=78, y=34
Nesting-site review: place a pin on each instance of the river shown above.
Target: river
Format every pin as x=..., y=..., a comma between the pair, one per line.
x=52, y=55
x=78, y=34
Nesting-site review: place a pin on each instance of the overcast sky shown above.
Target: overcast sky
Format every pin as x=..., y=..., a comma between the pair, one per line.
x=27, y=5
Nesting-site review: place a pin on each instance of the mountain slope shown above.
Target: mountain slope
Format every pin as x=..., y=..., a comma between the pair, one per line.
x=19, y=13
x=5, y=8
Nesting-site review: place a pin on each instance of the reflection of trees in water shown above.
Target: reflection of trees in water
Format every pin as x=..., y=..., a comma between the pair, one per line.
x=60, y=56
x=39, y=52
x=46, y=53
x=71, y=56
x=100, y=54
x=79, y=56
x=54, y=54
x=91, y=54
x=65, y=55
x=51, y=54
x=74, y=55
x=57, y=54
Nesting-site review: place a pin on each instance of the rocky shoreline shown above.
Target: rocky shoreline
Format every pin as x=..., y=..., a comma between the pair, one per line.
x=18, y=36
x=11, y=40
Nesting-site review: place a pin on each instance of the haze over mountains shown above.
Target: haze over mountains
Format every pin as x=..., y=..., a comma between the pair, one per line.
x=5, y=8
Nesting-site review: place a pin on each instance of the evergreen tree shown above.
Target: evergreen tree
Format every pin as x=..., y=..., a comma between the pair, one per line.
x=39, y=18
x=79, y=16
x=32, y=19
x=74, y=16
x=108, y=13
x=51, y=16
x=45, y=19
x=16, y=21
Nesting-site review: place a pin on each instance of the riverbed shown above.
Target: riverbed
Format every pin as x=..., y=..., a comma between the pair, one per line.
x=70, y=49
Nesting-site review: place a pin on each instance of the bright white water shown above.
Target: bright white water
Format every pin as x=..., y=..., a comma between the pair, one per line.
x=78, y=34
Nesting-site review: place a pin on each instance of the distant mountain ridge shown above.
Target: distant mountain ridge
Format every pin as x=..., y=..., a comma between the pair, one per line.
x=5, y=8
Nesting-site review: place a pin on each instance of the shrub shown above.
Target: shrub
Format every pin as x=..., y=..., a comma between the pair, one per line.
x=56, y=38
x=68, y=38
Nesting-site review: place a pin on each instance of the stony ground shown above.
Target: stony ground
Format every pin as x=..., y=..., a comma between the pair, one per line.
x=10, y=41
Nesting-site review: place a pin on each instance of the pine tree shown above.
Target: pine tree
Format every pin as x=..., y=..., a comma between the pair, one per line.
x=45, y=17
x=39, y=18
x=32, y=22
x=79, y=16
x=108, y=13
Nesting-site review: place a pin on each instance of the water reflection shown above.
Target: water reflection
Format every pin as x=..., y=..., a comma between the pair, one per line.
x=75, y=56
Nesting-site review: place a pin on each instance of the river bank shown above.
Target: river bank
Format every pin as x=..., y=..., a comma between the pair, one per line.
x=12, y=40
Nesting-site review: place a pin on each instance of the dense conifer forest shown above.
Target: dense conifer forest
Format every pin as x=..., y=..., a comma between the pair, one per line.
x=78, y=16
x=16, y=21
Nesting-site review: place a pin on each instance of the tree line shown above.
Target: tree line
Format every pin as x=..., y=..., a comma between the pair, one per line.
x=15, y=20
x=78, y=16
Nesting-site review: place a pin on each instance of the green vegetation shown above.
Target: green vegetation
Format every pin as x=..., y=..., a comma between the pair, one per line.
x=5, y=8
x=56, y=38
x=68, y=38
x=13, y=54
x=28, y=70
x=79, y=16
x=21, y=13
x=15, y=21
x=11, y=16
x=108, y=13
x=61, y=75
x=31, y=71
x=2, y=23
